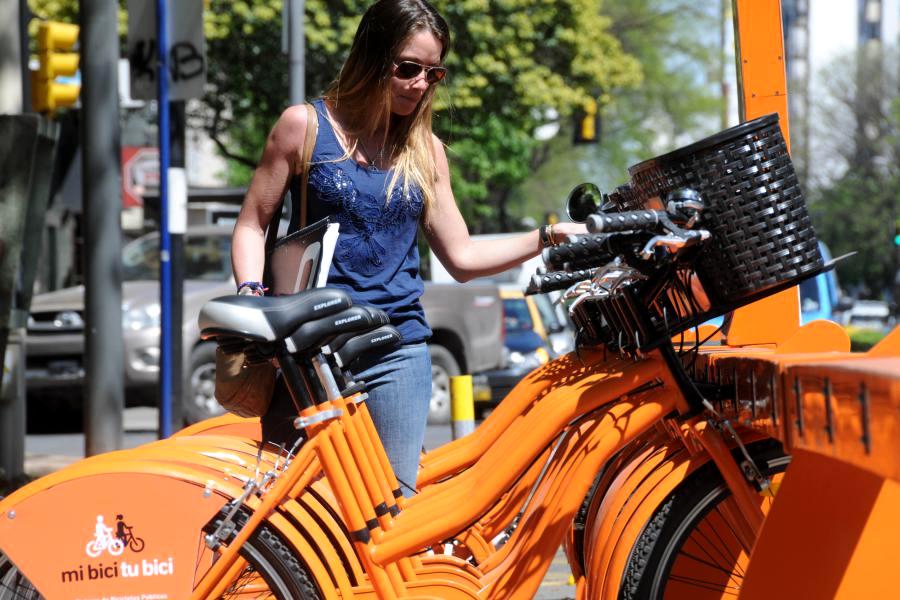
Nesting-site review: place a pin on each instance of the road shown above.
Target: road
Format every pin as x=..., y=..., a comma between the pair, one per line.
x=48, y=452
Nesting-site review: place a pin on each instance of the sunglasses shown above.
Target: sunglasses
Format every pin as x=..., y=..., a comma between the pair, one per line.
x=410, y=70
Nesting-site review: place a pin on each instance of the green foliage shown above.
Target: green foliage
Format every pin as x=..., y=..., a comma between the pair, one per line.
x=863, y=339
x=67, y=12
x=856, y=185
x=676, y=43
x=509, y=61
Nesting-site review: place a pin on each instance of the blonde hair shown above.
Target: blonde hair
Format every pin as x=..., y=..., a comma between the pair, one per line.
x=362, y=93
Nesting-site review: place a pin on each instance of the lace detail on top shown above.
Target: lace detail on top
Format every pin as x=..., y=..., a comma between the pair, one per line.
x=368, y=224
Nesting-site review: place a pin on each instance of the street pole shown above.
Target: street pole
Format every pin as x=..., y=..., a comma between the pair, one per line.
x=10, y=59
x=177, y=228
x=24, y=18
x=101, y=177
x=296, y=51
x=165, y=241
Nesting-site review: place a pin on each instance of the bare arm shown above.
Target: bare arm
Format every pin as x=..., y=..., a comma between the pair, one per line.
x=464, y=257
x=280, y=161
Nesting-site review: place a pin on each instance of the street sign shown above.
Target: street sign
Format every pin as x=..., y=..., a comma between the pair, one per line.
x=140, y=174
x=187, y=49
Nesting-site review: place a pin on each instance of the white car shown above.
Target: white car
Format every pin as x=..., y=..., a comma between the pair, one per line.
x=870, y=314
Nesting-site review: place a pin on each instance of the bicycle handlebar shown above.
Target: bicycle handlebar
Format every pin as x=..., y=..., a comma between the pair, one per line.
x=624, y=221
x=589, y=251
x=557, y=280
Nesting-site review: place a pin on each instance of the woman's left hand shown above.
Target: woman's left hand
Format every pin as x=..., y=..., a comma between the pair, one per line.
x=563, y=229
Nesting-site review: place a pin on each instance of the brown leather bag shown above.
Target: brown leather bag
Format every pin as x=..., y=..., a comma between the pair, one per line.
x=245, y=387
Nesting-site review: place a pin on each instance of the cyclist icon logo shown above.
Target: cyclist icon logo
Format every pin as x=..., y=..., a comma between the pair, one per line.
x=114, y=544
x=125, y=534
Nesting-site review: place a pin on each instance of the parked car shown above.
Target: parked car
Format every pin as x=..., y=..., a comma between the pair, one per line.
x=870, y=314
x=526, y=348
x=560, y=335
x=55, y=333
x=466, y=320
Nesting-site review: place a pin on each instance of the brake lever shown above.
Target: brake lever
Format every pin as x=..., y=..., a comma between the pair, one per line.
x=674, y=242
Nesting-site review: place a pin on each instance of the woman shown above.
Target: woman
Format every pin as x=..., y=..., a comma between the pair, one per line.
x=378, y=170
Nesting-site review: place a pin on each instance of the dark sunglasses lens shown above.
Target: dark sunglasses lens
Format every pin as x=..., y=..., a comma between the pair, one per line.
x=436, y=74
x=407, y=70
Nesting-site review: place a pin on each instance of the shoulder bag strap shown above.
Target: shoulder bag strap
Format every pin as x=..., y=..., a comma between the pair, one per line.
x=312, y=130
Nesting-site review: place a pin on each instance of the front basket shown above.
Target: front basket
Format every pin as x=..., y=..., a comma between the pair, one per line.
x=762, y=236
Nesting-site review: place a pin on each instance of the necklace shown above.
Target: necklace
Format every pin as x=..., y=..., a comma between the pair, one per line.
x=370, y=161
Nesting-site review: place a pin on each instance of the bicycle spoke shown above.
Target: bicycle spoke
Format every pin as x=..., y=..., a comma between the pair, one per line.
x=249, y=585
x=725, y=591
x=728, y=564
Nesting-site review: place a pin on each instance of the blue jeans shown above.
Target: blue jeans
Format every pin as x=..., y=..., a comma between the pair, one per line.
x=399, y=387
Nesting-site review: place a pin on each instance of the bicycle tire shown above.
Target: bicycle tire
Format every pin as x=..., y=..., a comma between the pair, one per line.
x=272, y=571
x=688, y=535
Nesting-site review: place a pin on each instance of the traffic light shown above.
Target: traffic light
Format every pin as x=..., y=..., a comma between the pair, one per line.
x=587, y=123
x=897, y=232
x=55, y=42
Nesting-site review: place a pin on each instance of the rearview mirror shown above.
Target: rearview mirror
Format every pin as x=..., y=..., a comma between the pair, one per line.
x=583, y=201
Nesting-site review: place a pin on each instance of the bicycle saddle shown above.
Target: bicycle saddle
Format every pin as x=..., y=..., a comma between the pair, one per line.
x=347, y=348
x=313, y=335
x=268, y=318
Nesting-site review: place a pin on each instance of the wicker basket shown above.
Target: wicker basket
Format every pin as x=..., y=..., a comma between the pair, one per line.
x=763, y=239
x=625, y=198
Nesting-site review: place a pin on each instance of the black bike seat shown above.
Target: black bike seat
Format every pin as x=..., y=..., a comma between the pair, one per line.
x=313, y=335
x=357, y=345
x=268, y=318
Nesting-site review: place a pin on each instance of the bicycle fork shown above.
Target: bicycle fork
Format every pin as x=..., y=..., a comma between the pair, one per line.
x=749, y=516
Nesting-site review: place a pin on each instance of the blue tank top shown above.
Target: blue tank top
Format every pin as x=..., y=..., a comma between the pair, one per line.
x=376, y=259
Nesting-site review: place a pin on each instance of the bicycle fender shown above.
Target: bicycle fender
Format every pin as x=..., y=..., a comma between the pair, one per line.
x=98, y=494
x=622, y=517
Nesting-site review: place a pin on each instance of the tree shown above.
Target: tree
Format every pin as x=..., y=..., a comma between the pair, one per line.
x=854, y=192
x=677, y=46
x=509, y=61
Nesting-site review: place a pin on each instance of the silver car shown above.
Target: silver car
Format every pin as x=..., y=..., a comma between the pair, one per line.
x=55, y=340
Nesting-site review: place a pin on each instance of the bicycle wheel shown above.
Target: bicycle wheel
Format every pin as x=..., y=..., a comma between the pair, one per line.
x=13, y=585
x=272, y=571
x=689, y=548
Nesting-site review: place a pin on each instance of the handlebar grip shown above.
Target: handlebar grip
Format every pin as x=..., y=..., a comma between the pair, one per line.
x=582, y=250
x=558, y=280
x=630, y=220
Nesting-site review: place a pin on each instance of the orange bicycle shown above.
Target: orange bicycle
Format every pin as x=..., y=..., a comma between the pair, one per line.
x=622, y=437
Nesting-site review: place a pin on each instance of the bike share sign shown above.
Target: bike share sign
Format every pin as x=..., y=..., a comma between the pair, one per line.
x=187, y=56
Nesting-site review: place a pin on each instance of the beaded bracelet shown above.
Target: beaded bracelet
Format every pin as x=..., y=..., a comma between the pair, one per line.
x=254, y=286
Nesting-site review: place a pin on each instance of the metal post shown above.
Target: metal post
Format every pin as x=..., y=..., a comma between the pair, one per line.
x=297, y=50
x=100, y=139
x=177, y=227
x=10, y=59
x=462, y=406
x=25, y=16
x=27, y=151
x=165, y=283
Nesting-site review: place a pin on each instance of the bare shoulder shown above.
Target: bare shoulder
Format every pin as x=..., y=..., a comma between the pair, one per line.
x=289, y=131
x=440, y=153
